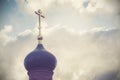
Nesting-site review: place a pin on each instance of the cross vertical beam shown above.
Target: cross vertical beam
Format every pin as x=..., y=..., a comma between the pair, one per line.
x=39, y=13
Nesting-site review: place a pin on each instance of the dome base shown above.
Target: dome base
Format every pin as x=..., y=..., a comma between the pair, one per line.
x=40, y=75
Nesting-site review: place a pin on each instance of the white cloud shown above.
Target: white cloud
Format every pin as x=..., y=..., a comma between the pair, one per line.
x=79, y=56
x=3, y=34
x=82, y=52
x=73, y=13
x=7, y=29
x=25, y=33
x=82, y=49
x=92, y=5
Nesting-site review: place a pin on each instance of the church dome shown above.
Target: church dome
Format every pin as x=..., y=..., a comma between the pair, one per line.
x=40, y=59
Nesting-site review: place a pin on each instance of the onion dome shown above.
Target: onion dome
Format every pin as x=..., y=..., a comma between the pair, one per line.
x=40, y=59
x=40, y=63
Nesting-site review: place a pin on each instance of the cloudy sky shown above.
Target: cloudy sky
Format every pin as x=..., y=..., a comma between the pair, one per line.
x=84, y=35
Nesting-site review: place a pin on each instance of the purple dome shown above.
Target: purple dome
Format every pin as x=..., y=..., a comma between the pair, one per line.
x=40, y=59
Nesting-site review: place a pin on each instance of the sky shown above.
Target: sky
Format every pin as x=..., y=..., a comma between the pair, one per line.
x=82, y=34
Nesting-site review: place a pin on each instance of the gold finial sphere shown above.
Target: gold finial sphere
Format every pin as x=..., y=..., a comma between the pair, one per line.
x=40, y=11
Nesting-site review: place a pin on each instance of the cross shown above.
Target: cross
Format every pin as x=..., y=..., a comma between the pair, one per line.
x=39, y=13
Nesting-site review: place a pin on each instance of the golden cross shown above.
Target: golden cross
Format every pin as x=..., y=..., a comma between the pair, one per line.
x=39, y=13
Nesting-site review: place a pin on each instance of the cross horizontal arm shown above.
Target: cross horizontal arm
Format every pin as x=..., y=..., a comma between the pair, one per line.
x=42, y=16
x=37, y=13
